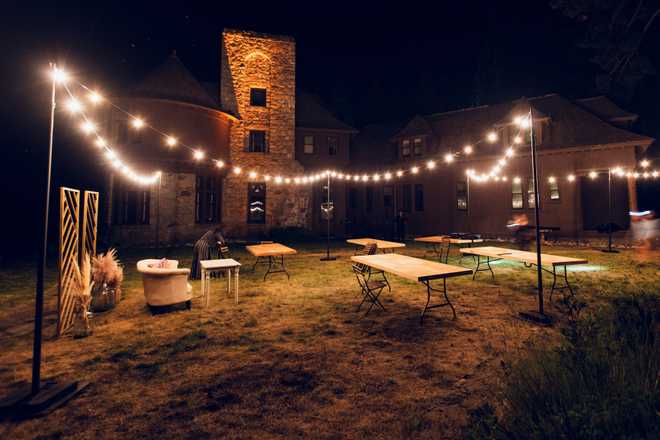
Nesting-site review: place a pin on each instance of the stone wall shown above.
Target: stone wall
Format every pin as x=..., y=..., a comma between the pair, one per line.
x=264, y=61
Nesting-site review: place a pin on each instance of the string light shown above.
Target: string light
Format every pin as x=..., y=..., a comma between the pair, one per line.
x=552, y=179
x=171, y=141
x=59, y=75
x=414, y=170
x=492, y=136
x=198, y=155
x=252, y=174
x=88, y=127
x=94, y=97
x=509, y=152
x=137, y=123
x=388, y=175
x=645, y=163
x=516, y=180
x=220, y=163
x=399, y=173
x=593, y=175
x=467, y=149
x=571, y=177
x=449, y=158
x=74, y=106
x=237, y=170
x=430, y=164
x=100, y=142
x=517, y=140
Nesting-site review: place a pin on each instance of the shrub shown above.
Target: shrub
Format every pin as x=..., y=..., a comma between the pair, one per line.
x=601, y=383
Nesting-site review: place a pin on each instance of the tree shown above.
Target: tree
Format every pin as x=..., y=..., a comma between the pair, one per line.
x=614, y=32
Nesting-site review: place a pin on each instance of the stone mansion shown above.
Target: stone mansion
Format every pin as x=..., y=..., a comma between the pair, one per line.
x=257, y=119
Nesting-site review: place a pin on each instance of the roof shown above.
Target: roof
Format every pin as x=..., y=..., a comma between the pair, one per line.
x=172, y=80
x=310, y=113
x=373, y=144
x=605, y=108
x=571, y=125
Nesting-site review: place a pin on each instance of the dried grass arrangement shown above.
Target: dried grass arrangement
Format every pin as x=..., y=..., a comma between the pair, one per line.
x=83, y=298
x=107, y=275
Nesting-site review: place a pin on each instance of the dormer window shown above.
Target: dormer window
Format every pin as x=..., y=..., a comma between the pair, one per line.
x=258, y=97
x=417, y=147
x=405, y=148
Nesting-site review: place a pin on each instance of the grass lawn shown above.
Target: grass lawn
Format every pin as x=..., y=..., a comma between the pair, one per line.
x=292, y=358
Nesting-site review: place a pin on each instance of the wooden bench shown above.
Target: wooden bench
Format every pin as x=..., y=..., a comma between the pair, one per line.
x=529, y=259
x=418, y=270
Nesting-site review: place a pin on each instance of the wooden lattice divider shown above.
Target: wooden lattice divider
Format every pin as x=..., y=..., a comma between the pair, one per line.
x=68, y=257
x=90, y=223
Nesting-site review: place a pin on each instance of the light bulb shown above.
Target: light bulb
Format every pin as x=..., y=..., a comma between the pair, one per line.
x=593, y=174
x=88, y=127
x=467, y=149
x=414, y=170
x=137, y=123
x=449, y=158
x=492, y=136
x=171, y=141
x=73, y=105
x=552, y=179
x=198, y=155
x=237, y=170
x=430, y=164
x=219, y=163
x=95, y=97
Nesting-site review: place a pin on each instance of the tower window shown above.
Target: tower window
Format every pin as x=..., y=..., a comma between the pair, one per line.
x=258, y=97
x=257, y=142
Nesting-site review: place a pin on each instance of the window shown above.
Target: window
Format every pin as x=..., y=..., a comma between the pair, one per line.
x=131, y=206
x=258, y=97
x=257, y=142
x=207, y=195
x=308, y=144
x=516, y=194
x=531, y=196
x=461, y=196
x=406, y=197
x=332, y=146
x=256, y=203
x=405, y=148
x=417, y=147
x=352, y=198
x=419, y=197
x=370, y=198
x=387, y=197
x=554, y=188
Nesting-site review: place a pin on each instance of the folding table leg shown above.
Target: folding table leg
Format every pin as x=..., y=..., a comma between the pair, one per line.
x=429, y=289
x=236, y=284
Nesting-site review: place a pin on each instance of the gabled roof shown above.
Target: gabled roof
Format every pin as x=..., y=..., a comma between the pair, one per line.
x=606, y=109
x=571, y=125
x=172, y=80
x=417, y=126
x=373, y=145
x=310, y=113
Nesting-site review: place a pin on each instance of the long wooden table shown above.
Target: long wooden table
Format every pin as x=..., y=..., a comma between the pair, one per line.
x=272, y=251
x=436, y=243
x=529, y=259
x=416, y=269
x=383, y=245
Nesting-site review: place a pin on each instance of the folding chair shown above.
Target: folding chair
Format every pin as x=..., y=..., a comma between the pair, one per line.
x=371, y=289
x=372, y=249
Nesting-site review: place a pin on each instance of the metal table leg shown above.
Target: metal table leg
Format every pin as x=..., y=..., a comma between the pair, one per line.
x=429, y=289
x=565, y=286
x=488, y=260
x=273, y=263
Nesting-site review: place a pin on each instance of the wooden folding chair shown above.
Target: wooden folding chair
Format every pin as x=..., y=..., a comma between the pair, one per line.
x=371, y=289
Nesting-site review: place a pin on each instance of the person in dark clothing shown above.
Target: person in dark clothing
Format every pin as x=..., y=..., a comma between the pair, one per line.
x=203, y=248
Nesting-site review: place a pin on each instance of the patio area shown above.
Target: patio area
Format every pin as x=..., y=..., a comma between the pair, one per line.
x=293, y=358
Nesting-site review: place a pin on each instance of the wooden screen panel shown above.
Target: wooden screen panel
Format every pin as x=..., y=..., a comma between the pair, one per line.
x=90, y=224
x=68, y=257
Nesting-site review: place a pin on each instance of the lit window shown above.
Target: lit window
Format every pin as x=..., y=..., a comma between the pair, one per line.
x=516, y=194
x=419, y=197
x=256, y=203
x=461, y=196
x=554, y=189
x=258, y=97
x=531, y=195
x=417, y=147
x=308, y=144
x=405, y=148
x=332, y=146
x=257, y=142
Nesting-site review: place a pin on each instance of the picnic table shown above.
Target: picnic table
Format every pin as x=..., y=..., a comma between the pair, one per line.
x=275, y=253
x=440, y=245
x=418, y=270
x=384, y=245
x=529, y=259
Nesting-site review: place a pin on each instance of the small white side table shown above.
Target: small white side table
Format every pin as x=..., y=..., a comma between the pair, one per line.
x=228, y=265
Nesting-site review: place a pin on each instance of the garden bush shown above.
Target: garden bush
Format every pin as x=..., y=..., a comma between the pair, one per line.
x=602, y=382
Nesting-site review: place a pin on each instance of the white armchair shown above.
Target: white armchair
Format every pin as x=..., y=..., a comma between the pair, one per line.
x=164, y=286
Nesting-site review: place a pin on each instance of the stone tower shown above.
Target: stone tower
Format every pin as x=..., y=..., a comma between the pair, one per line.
x=258, y=85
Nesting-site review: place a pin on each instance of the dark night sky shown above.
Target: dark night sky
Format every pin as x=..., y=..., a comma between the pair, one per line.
x=368, y=62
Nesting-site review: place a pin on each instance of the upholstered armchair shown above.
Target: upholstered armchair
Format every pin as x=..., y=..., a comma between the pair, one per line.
x=164, y=282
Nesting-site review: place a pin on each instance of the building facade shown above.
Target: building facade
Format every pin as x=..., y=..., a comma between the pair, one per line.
x=254, y=119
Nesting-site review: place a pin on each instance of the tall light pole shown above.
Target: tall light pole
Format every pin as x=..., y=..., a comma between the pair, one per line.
x=329, y=211
x=42, y=398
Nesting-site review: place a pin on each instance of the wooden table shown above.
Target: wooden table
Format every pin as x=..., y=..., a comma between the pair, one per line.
x=416, y=269
x=381, y=244
x=436, y=243
x=493, y=253
x=225, y=264
x=272, y=251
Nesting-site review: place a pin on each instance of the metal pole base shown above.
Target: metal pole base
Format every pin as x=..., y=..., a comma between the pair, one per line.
x=610, y=251
x=25, y=405
x=328, y=258
x=535, y=317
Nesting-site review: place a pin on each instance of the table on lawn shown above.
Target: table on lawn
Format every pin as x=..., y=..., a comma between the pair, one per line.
x=227, y=265
x=416, y=269
x=275, y=253
x=381, y=244
x=493, y=253
x=436, y=243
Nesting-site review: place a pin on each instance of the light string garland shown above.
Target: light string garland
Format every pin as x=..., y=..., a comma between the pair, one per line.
x=138, y=122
